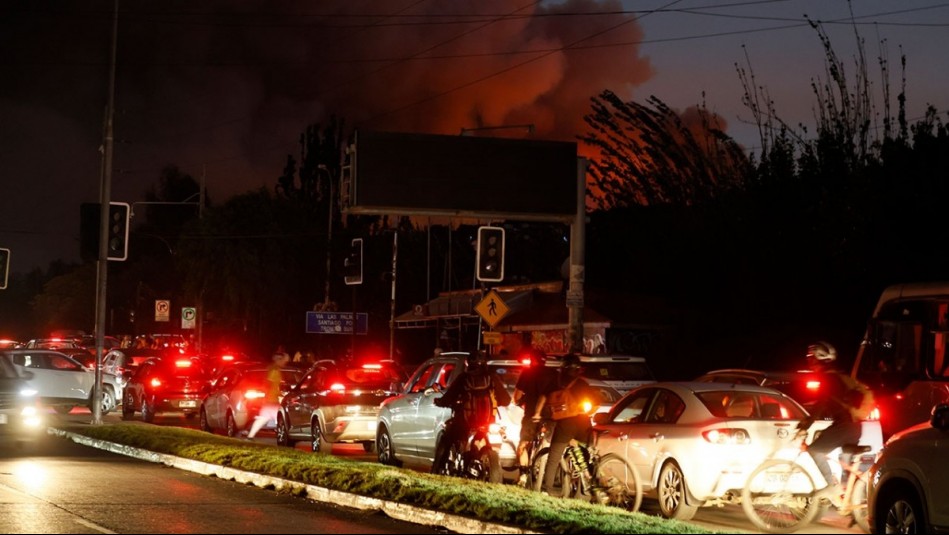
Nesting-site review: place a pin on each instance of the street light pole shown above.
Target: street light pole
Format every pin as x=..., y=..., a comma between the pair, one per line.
x=329, y=237
x=105, y=195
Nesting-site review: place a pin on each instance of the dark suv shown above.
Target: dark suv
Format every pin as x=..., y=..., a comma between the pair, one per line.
x=167, y=384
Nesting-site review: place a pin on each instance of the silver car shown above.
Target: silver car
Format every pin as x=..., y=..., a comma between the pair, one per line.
x=60, y=381
x=410, y=425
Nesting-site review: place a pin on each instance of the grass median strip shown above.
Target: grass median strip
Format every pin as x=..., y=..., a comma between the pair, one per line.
x=502, y=504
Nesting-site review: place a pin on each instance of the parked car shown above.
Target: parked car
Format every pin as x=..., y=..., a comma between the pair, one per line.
x=337, y=403
x=410, y=425
x=234, y=397
x=622, y=372
x=670, y=430
x=21, y=420
x=803, y=386
x=909, y=481
x=52, y=343
x=60, y=381
x=165, y=384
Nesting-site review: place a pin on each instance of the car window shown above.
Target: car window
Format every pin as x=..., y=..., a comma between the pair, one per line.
x=61, y=363
x=630, y=408
x=509, y=373
x=420, y=382
x=446, y=375
x=750, y=405
x=368, y=376
x=666, y=408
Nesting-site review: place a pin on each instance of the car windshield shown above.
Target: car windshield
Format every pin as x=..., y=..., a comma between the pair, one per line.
x=509, y=373
x=751, y=405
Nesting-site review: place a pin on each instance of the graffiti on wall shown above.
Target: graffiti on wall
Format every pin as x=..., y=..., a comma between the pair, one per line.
x=554, y=342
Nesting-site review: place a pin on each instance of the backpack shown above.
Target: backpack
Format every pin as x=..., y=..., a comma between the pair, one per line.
x=561, y=403
x=859, y=398
x=479, y=402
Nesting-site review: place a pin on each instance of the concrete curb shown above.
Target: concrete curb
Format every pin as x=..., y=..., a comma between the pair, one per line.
x=396, y=510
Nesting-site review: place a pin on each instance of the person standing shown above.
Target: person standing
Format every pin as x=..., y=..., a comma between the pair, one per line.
x=271, y=405
x=575, y=427
x=535, y=380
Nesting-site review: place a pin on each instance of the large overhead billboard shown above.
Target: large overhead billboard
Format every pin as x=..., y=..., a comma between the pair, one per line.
x=428, y=174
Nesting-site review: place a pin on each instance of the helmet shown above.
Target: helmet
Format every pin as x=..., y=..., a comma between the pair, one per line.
x=822, y=351
x=571, y=365
x=477, y=360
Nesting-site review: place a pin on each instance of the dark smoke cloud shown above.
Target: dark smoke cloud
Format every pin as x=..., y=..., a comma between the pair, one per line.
x=224, y=89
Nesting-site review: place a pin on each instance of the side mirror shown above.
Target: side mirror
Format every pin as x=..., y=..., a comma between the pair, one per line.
x=940, y=417
x=601, y=418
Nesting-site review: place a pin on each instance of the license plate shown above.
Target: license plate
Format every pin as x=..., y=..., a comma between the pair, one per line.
x=188, y=404
x=3, y=419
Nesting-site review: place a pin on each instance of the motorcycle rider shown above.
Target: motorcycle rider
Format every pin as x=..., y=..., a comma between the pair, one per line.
x=836, y=404
x=464, y=397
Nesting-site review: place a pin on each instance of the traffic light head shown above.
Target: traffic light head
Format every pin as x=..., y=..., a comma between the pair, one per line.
x=118, y=231
x=489, y=261
x=352, y=265
x=4, y=268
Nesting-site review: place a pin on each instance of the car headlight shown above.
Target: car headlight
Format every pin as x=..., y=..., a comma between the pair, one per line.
x=28, y=392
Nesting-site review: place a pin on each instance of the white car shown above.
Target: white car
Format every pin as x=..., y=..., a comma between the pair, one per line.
x=409, y=424
x=910, y=479
x=61, y=381
x=695, y=444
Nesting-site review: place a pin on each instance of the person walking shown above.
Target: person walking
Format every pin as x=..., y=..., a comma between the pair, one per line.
x=271, y=405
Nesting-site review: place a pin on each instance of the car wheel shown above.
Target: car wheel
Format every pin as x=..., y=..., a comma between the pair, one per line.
x=108, y=400
x=384, y=449
x=283, y=432
x=148, y=410
x=203, y=421
x=128, y=409
x=369, y=447
x=318, y=442
x=231, y=425
x=671, y=492
x=899, y=510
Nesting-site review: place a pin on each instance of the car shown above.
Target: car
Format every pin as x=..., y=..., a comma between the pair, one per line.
x=60, y=381
x=910, y=478
x=337, y=403
x=234, y=397
x=622, y=372
x=410, y=425
x=21, y=417
x=165, y=384
x=695, y=443
x=52, y=343
x=803, y=386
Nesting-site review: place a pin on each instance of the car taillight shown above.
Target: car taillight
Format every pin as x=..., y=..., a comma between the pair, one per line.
x=372, y=366
x=254, y=394
x=874, y=414
x=227, y=358
x=813, y=386
x=337, y=388
x=727, y=436
x=182, y=363
x=155, y=382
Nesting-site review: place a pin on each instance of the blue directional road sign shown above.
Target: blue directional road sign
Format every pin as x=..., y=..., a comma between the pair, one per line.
x=336, y=322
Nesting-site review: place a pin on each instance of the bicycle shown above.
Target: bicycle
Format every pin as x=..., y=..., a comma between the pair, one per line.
x=780, y=495
x=537, y=450
x=608, y=479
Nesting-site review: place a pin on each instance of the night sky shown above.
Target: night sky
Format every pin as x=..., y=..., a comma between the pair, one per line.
x=223, y=89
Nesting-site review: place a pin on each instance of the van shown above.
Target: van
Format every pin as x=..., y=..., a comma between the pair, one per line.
x=904, y=357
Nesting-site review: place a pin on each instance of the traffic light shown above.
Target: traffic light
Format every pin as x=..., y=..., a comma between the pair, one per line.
x=4, y=268
x=489, y=259
x=118, y=232
x=352, y=266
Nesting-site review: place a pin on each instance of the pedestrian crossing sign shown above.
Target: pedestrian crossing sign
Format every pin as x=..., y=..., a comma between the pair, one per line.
x=492, y=308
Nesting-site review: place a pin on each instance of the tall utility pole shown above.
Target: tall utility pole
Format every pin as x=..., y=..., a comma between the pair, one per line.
x=105, y=196
x=577, y=262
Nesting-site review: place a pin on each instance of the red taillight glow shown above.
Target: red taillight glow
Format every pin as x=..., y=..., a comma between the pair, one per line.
x=155, y=382
x=813, y=385
x=182, y=363
x=227, y=358
x=874, y=414
x=339, y=388
x=727, y=436
x=372, y=366
x=253, y=394
x=525, y=361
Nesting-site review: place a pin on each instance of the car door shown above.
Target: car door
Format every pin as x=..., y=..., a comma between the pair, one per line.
x=301, y=400
x=431, y=418
x=54, y=376
x=403, y=409
x=629, y=436
x=215, y=403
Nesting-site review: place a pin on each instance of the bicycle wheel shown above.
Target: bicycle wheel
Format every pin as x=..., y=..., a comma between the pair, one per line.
x=490, y=465
x=571, y=478
x=535, y=478
x=778, y=497
x=858, y=504
x=620, y=482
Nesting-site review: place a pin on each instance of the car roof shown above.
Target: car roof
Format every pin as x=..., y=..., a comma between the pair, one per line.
x=698, y=387
x=584, y=357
